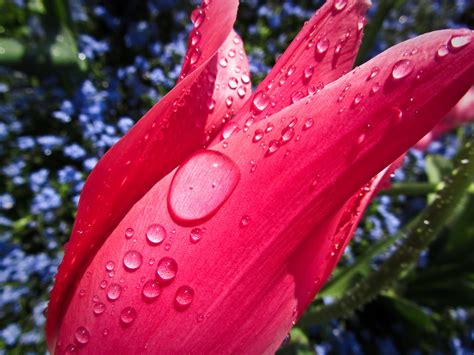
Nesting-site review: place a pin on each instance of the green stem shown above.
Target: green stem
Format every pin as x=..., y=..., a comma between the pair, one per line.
x=416, y=240
x=415, y=189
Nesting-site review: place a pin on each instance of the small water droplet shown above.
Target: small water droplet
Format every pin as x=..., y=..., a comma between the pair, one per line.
x=245, y=78
x=105, y=332
x=269, y=128
x=103, y=284
x=241, y=91
x=308, y=72
x=166, y=270
x=82, y=292
x=129, y=233
x=223, y=62
x=110, y=265
x=244, y=222
x=375, y=89
x=98, y=308
x=297, y=96
x=196, y=38
x=72, y=349
x=229, y=101
x=184, y=297
x=204, y=168
x=357, y=99
x=228, y=129
x=322, y=45
x=308, y=123
x=114, y=291
x=155, y=234
x=287, y=134
x=151, y=290
x=373, y=73
x=291, y=70
x=402, y=69
x=231, y=53
x=132, y=260
x=195, y=235
x=82, y=335
x=258, y=135
x=233, y=83
x=128, y=316
x=442, y=51
x=197, y=17
x=260, y=101
x=339, y=5
x=272, y=147
x=195, y=55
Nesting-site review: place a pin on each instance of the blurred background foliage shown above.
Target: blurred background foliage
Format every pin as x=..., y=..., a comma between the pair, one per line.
x=76, y=75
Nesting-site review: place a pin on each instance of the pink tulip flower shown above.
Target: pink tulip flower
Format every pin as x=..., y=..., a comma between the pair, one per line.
x=195, y=236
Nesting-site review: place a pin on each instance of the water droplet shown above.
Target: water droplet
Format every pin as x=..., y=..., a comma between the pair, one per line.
x=290, y=71
x=195, y=235
x=229, y=101
x=98, y=308
x=103, y=284
x=197, y=17
x=184, y=297
x=82, y=292
x=373, y=73
x=114, y=291
x=287, y=134
x=402, y=69
x=223, y=62
x=308, y=72
x=322, y=45
x=338, y=48
x=110, y=265
x=196, y=38
x=233, y=83
x=151, y=290
x=339, y=5
x=166, y=270
x=308, y=124
x=442, y=51
x=297, y=96
x=105, y=332
x=241, y=91
x=260, y=101
x=155, y=234
x=460, y=41
x=72, y=349
x=228, y=129
x=244, y=222
x=269, y=128
x=272, y=147
x=258, y=135
x=82, y=335
x=128, y=316
x=195, y=55
x=361, y=23
x=129, y=233
x=358, y=98
x=231, y=53
x=214, y=177
x=245, y=78
x=376, y=88
x=132, y=260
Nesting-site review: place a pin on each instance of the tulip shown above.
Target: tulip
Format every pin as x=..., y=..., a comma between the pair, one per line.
x=178, y=248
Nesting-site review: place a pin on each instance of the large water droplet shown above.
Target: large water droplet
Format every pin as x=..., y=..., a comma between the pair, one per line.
x=166, y=270
x=114, y=291
x=260, y=101
x=98, y=308
x=128, y=316
x=82, y=335
x=151, y=290
x=132, y=260
x=184, y=297
x=213, y=176
x=460, y=41
x=228, y=129
x=402, y=69
x=155, y=234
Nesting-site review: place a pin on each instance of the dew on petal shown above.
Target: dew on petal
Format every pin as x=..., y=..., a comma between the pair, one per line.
x=184, y=297
x=260, y=101
x=308, y=124
x=98, y=308
x=241, y=91
x=233, y=83
x=197, y=17
x=308, y=72
x=110, y=265
x=442, y=51
x=81, y=335
x=196, y=38
x=458, y=42
x=114, y=291
x=244, y=221
x=151, y=290
x=195, y=235
x=128, y=316
x=273, y=146
x=155, y=234
x=287, y=134
x=72, y=349
x=373, y=73
x=402, y=69
x=245, y=78
x=166, y=270
x=322, y=45
x=132, y=260
x=228, y=129
x=195, y=55
x=223, y=62
x=213, y=176
x=339, y=5
x=129, y=232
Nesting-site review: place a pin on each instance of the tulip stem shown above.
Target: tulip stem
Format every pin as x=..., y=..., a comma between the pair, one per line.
x=415, y=239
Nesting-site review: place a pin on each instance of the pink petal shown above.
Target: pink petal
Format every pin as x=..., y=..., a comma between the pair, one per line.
x=325, y=48
x=162, y=138
x=275, y=192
